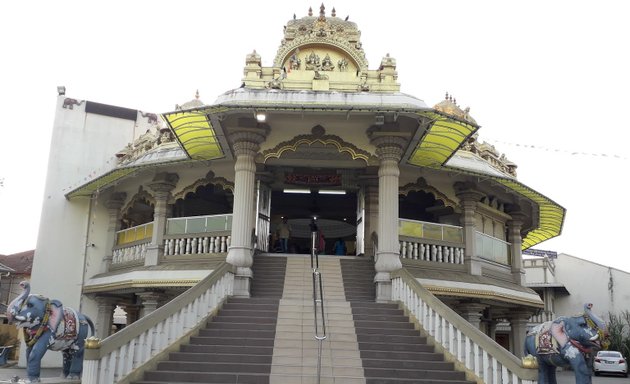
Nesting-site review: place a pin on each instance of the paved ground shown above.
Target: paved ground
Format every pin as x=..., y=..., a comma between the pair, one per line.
x=566, y=377
x=52, y=376
x=48, y=375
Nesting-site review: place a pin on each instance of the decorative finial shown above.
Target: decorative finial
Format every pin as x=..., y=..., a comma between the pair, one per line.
x=333, y=13
x=294, y=17
x=197, y=95
x=455, y=101
x=321, y=10
x=347, y=17
x=446, y=97
x=310, y=11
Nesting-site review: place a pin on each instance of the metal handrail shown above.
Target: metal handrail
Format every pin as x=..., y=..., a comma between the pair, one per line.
x=318, y=298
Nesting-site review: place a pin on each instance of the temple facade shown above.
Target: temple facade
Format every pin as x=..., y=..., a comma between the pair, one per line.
x=140, y=207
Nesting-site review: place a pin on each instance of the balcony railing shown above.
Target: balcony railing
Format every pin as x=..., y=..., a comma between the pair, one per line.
x=131, y=243
x=134, y=234
x=197, y=234
x=492, y=249
x=441, y=243
x=198, y=224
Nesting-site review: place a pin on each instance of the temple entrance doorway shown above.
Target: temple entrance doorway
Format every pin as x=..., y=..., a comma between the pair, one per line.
x=334, y=211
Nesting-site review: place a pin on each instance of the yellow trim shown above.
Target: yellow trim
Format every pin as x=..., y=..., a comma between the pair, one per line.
x=277, y=152
x=129, y=284
x=110, y=177
x=477, y=293
x=550, y=214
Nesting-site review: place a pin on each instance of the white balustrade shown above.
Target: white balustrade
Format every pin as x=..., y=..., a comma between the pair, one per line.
x=176, y=246
x=418, y=250
x=133, y=252
x=119, y=354
x=480, y=354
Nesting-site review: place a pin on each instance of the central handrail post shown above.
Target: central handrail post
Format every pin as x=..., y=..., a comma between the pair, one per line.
x=318, y=298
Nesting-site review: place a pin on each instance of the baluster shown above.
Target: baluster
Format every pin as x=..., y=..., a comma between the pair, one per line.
x=439, y=254
x=402, y=248
x=193, y=245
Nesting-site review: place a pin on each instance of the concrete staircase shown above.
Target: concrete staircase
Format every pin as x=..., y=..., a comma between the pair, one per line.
x=269, y=338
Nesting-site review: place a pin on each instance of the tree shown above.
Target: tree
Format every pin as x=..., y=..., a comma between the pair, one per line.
x=619, y=332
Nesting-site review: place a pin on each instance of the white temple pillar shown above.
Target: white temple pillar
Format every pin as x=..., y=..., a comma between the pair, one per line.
x=518, y=327
x=162, y=185
x=105, y=316
x=389, y=150
x=150, y=301
x=515, y=239
x=472, y=312
x=370, y=216
x=240, y=253
x=113, y=204
x=468, y=199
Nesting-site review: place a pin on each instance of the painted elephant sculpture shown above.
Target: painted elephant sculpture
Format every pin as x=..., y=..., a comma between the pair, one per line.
x=567, y=342
x=47, y=324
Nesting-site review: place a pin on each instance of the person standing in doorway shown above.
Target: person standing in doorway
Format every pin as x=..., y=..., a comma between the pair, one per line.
x=284, y=233
x=340, y=247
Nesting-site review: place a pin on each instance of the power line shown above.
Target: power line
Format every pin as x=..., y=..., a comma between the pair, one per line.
x=560, y=151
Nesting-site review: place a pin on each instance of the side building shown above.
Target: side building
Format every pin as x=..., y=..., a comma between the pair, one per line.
x=566, y=283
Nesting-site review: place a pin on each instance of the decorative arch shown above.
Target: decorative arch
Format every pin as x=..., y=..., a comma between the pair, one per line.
x=208, y=179
x=421, y=185
x=304, y=43
x=131, y=218
x=318, y=135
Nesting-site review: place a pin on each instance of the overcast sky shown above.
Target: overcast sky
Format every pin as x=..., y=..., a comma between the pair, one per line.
x=547, y=81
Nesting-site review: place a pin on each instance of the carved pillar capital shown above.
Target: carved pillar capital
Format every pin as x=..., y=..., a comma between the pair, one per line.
x=388, y=147
x=247, y=142
x=163, y=183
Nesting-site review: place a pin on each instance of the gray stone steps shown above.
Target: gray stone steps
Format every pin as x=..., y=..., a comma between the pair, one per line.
x=269, y=337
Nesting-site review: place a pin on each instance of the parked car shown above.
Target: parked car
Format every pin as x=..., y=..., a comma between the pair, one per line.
x=610, y=362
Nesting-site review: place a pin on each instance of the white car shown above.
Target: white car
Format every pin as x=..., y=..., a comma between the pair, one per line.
x=610, y=362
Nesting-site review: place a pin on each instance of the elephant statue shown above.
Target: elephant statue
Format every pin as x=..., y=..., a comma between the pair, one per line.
x=47, y=324
x=567, y=342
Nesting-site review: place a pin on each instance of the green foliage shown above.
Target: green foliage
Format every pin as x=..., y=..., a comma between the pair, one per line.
x=619, y=332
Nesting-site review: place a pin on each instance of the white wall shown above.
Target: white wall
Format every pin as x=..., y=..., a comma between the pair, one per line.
x=82, y=144
x=587, y=282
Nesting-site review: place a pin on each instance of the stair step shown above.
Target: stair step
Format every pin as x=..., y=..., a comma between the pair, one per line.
x=221, y=357
x=213, y=366
x=174, y=377
x=237, y=345
x=227, y=349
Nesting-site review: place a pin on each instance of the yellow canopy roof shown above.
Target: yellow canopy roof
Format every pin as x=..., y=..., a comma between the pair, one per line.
x=195, y=133
x=444, y=136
